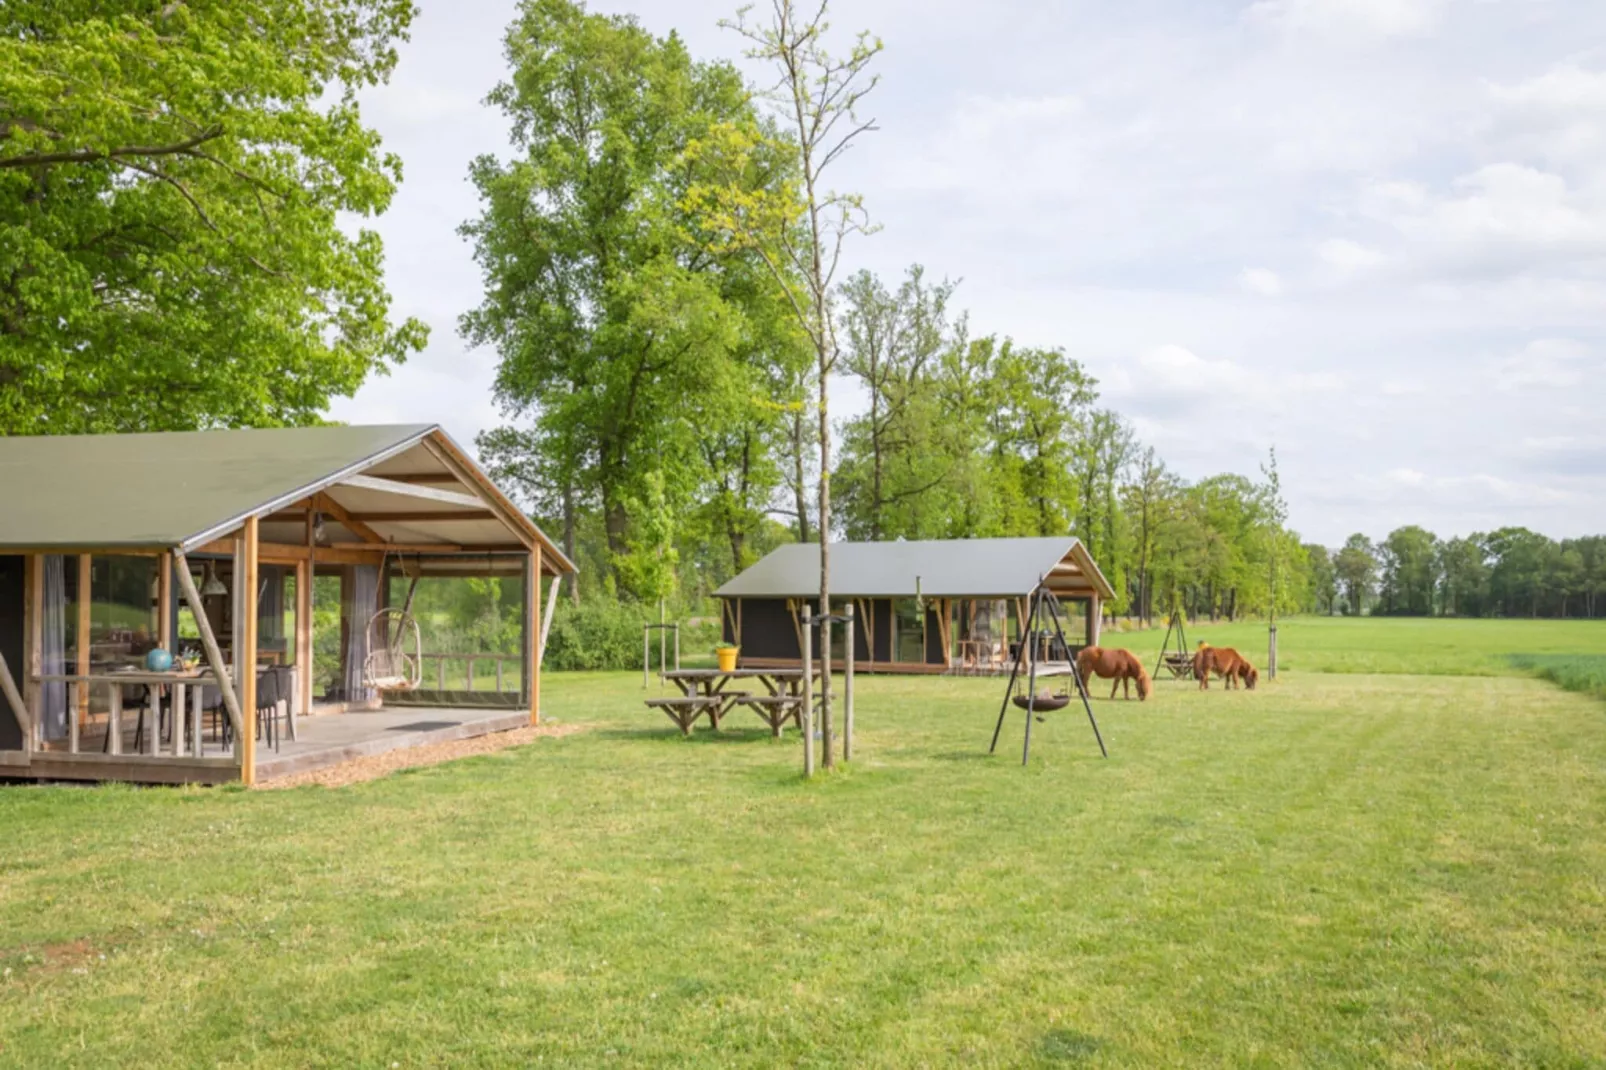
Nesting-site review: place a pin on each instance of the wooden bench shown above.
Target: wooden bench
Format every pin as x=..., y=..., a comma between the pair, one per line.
x=684, y=710
x=777, y=710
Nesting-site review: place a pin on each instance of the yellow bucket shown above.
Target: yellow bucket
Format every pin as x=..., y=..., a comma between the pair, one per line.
x=727, y=658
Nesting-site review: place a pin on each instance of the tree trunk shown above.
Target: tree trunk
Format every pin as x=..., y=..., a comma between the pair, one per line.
x=568, y=539
x=800, y=491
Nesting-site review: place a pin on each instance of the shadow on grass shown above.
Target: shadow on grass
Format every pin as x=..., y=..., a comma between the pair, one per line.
x=701, y=736
x=1067, y=1046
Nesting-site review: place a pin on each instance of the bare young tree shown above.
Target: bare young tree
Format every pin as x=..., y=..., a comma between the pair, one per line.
x=815, y=99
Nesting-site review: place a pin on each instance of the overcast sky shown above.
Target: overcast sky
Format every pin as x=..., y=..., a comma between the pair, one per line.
x=1370, y=232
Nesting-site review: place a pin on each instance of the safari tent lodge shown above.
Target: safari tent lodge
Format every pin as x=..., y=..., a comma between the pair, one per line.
x=236, y=605
x=937, y=606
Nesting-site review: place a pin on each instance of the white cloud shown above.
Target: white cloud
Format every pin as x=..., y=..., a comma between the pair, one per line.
x=1547, y=364
x=1347, y=257
x=1406, y=477
x=1261, y=281
x=1557, y=115
x=1388, y=18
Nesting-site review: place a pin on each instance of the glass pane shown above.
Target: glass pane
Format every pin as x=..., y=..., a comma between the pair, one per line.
x=910, y=641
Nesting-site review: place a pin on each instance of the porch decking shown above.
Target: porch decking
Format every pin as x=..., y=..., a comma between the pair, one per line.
x=341, y=737
x=322, y=741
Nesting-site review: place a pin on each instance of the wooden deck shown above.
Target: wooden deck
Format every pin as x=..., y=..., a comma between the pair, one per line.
x=330, y=740
x=322, y=741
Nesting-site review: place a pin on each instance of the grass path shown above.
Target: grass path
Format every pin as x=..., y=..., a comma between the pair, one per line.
x=1336, y=870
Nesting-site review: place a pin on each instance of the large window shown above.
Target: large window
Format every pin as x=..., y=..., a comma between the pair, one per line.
x=123, y=611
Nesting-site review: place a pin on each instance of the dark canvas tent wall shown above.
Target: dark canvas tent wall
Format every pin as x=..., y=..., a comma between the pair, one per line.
x=761, y=604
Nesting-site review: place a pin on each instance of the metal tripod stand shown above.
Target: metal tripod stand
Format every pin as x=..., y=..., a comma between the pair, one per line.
x=1043, y=601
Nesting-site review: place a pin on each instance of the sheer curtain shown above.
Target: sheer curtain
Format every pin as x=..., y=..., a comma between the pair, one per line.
x=53, y=648
x=359, y=612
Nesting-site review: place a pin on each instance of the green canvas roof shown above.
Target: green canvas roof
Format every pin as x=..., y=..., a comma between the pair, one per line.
x=945, y=568
x=166, y=489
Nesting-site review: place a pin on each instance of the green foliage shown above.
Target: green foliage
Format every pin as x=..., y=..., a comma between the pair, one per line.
x=625, y=344
x=170, y=181
x=606, y=634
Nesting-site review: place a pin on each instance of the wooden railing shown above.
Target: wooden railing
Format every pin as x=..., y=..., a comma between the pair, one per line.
x=187, y=737
x=470, y=661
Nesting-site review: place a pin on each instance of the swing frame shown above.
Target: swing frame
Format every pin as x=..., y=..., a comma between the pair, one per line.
x=1042, y=601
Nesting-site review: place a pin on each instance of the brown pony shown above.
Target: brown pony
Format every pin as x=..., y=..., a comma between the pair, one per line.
x=1121, y=665
x=1225, y=662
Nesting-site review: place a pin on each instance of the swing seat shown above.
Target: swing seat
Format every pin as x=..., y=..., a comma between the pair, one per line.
x=395, y=659
x=1043, y=701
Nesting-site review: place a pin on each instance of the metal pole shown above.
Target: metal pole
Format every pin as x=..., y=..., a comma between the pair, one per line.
x=808, y=693
x=1031, y=677
x=646, y=654
x=677, y=647
x=661, y=639
x=847, y=686
x=1271, y=655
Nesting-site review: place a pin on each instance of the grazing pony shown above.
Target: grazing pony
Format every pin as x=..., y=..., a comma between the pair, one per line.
x=1225, y=662
x=1120, y=665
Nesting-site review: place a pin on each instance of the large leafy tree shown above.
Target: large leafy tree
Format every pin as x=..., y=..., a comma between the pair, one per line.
x=628, y=345
x=170, y=180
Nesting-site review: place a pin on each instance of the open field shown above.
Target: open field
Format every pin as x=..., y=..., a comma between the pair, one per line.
x=1389, y=644
x=1357, y=868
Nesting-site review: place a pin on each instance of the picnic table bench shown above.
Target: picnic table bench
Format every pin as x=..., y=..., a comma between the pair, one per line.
x=705, y=691
x=685, y=709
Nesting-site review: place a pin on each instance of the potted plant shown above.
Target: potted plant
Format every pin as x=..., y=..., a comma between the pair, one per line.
x=726, y=653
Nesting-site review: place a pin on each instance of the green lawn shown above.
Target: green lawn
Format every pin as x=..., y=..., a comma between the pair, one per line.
x=1388, y=644
x=1333, y=870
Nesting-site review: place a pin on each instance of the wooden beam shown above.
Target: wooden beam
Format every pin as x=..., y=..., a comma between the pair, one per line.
x=84, y=576
x=19, y=708
x=411, y=490
x=532, y=631
x=524, y=529
x=164, y=602
x=34, y=640
x=356, y=527
x=551, y=605
x=424, y=514
x=246, y=573
x=423, y=477
x=214, y=656
x=302, y=703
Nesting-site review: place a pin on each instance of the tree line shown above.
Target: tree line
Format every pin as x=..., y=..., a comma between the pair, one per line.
x=1511, y=572
x=661, y=391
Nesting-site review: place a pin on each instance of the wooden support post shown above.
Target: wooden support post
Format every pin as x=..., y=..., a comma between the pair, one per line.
x=646, y=656
x=1095, y=617
x=214, y=656
x=13, y=697
x=33, y=660
x=469, y=686
x=498, y=675
x=81, y=711
x=180, y=709
x=808, y=692
x=114, y=719
x=1271, y=653
x=303, y=655
x=847, y=686
x=74, y=731
x=197, y=739
x=164, y=602
x=532, y=632
x=246, y=577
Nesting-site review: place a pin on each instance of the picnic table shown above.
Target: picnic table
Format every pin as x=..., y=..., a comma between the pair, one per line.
x=706, y=691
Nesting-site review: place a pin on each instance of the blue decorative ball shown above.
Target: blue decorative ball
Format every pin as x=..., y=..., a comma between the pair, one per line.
x=158, y=660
